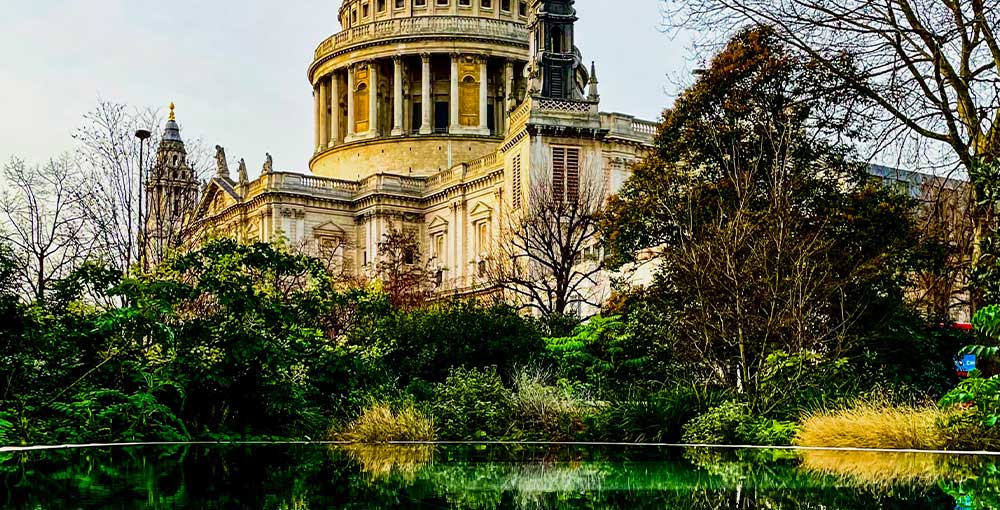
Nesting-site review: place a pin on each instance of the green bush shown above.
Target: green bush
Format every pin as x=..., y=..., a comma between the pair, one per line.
x=544, y=411
x=767, y=432
x=472, y=404
x=717, y=426
x=650, y=417
x=426, y=342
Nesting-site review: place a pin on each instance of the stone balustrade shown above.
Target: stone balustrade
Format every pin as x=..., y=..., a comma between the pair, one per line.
x=422, y=27
x=628, y=127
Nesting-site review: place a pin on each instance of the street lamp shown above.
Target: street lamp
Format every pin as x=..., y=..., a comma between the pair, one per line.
x=142, y=135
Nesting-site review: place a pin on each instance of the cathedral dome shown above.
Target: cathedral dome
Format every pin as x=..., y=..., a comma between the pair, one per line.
x=416, y=86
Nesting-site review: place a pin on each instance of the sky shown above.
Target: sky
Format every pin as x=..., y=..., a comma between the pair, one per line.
x=237, y=70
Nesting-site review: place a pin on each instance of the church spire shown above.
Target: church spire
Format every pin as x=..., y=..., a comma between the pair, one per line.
x=592, y=94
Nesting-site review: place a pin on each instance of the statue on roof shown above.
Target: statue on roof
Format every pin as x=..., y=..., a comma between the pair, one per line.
x=221, y=166
x=244, y=178
x=268, y=164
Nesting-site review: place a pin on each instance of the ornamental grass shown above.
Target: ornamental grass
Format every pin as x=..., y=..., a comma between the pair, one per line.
x=874, y=426
x=379, y=423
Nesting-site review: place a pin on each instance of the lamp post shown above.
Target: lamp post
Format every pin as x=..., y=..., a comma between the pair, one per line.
x=142, y=135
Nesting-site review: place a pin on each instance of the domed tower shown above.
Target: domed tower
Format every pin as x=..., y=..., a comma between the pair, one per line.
x=416, y=86
x=171, y=192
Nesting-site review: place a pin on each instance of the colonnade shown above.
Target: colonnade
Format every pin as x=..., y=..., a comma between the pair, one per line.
x=468, y=109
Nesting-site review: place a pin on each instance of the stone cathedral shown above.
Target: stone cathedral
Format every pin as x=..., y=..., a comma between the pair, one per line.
x=434, y=118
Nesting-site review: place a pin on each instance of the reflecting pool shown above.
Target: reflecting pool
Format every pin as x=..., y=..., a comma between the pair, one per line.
x=304, y=477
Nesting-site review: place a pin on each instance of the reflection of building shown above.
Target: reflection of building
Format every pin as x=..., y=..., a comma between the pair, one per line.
x=433, y=117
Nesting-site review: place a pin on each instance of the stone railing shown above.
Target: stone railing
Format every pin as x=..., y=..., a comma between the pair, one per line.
x=520, y=115
x=321, y=186
x=424, y=26
x=566, y=105
x=628, y=127
x=484, y=164
x=395, y=183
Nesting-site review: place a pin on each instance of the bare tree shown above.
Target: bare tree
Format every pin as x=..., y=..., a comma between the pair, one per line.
x=115, y=204
x=406, y=277
x=547, y=255
x=42, y=208
x=945, y=220
x=930, y=70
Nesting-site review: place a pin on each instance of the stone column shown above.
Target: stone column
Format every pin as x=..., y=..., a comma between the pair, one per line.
x=373, y=98
x=334, y=110
x=324, y=113
x=351, y=125
x=508, y=93
x=426, y=107
x=316, y=114
x=397, y=96
x=484, y=125
x=453, y=95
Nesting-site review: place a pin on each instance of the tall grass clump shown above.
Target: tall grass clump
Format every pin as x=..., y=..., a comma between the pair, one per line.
x=869, y=425
x=378, y=423
x=556, y=413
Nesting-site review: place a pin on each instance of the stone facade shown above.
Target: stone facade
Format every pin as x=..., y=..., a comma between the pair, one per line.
x=433, y=117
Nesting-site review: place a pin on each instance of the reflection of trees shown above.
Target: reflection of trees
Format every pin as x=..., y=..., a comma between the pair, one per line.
x=303, y=477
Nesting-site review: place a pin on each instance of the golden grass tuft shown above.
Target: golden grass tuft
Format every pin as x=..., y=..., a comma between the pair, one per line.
x=873, y=426
x=378, y=423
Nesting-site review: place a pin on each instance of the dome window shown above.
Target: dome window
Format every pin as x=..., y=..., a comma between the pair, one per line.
x=380, y=5
x=505, y=5
x=443, y=3
x=465, y=3
x=486, y=4
x=420, y=3
x=522, y=9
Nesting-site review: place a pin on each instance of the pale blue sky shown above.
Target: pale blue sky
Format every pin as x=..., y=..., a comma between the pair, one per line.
x=237, y=70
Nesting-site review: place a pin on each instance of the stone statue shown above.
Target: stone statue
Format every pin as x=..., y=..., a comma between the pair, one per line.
x=268, y=164
x=221, y=166
x=243, y=172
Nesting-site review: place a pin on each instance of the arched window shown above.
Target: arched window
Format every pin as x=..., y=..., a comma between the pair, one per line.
x=361, y=109
x=556, y=43
x=469, y=102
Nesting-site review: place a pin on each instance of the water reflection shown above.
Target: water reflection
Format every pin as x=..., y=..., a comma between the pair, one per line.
x=530, y=478
x=972, y=481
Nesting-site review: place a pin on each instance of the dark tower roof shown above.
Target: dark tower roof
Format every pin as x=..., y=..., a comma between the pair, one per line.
x=172, y=132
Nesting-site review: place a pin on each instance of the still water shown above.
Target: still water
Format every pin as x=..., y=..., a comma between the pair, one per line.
x=301, y=477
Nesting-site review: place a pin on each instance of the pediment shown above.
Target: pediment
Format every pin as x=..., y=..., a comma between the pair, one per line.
x=329, y=229
x=481, y=210
x=217, y=196
x=437, y=224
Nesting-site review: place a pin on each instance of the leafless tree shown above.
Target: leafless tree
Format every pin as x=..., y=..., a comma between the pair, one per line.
x=547, y=255
x=43, y=212
x=114, y=201
x=406, y=277
x=945, y=215
x=930, y=70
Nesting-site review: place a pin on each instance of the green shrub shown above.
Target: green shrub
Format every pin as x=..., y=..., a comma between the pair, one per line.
x=717, y=426
x=378, y=423
x=983, y=395
x=426, y=342
x=650, y=417
x=472, y=404
x=767, y=432
x=6, y=429
x=556, y=414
